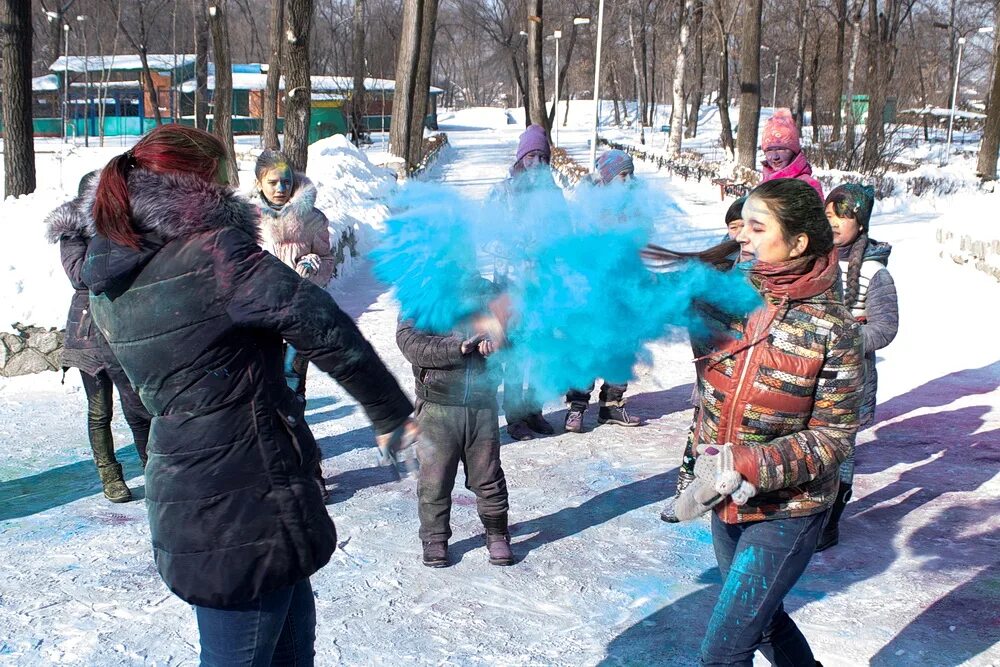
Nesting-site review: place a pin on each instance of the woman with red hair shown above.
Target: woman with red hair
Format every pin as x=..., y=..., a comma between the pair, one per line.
x=196, y=313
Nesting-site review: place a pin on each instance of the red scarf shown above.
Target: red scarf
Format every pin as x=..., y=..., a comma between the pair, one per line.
x=795, y=279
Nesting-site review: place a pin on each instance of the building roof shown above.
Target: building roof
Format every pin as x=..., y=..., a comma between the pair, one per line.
x=245, y=78
x=127, y=62
x=45, y=83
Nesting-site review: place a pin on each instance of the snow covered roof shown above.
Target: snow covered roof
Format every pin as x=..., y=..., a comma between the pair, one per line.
x=98, y=63
x=44, y=83
x=941, y=112
x=243, y=80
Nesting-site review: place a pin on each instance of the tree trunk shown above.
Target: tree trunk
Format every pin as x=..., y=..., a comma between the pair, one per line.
x=615, y=96
x=563, y=79
x=422, y=80
x=952, y=53
x=813, y=80
x=699, y=82
x=838, y=67
x=201, y=64
x=406, y=70
x=638, y=72
x=746, y=138
x=722, y=101
x=147, y=80
x=358, y=56
x=15, y=78
x=798, y=101
x=298, y=85
x=986, y=167
x=222, y=109
x=876, y=91
x=677, y=106
x=536, y=73
x=849, y=137
x=269, y=124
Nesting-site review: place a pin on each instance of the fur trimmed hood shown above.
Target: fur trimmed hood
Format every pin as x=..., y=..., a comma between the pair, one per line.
x=300, y=204
x=175, y=205
x=67, y=220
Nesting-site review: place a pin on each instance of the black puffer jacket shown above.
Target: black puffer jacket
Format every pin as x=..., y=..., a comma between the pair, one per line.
x=84, y=347
x=196, y=317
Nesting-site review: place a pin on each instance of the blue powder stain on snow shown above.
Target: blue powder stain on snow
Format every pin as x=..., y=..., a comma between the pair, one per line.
x=585, y=305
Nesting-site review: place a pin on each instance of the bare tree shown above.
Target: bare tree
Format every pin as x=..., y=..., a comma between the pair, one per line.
x=537, y=113
x=55, y=13
x=15, y=77
x=849, y=137
x=677, y=109
x=200, y=63
x=698, y=90
x=406, y=74
x=422, y=79
x=636, y=16
x=724, y=27
x=746, y=139
x=798, y=101
x=138, y=38
x=298, y=84
x=358, y=56
x=986, y=167
x=269, y=123
x=223, y=100
x=838, y=69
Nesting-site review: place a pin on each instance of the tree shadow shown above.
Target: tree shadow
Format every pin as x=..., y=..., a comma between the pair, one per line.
x=570, y=521
x=318, y=417
x=658, y=404
x=942, y=391
x=61, y=485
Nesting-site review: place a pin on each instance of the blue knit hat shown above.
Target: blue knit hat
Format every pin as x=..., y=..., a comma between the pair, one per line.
x=853, y=200
x=613, y=163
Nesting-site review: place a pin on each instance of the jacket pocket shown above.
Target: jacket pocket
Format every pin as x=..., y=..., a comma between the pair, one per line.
x=291, y=414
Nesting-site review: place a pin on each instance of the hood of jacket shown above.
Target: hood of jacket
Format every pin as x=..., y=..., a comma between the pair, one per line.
x=300, y=204
x=797, y=167
x=68, y=219
x=164, y=207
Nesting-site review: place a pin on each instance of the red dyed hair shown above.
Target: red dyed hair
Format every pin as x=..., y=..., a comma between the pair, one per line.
x=167, y=149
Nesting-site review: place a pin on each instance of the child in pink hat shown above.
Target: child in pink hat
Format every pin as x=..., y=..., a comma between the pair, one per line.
x=783, y=156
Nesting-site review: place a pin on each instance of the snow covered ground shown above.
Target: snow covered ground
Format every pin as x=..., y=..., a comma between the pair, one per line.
x=600, y=580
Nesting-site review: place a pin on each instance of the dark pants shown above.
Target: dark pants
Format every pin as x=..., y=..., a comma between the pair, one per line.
x=278, y=628
x=610, y=393
x=519, y=400
x=759, y=562
x=99, y=411
x=450, y=435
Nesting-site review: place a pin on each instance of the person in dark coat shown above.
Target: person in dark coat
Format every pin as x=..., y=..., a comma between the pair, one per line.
x=85, y=348
x=196, y=313
x=870, y=294
x=459, y=423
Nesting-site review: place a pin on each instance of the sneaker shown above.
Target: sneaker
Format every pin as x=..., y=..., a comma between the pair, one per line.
x=536, y=422
x=499, y=547
x=617, y=415
x=574, y=420
x=435, y=554
x=519, y=431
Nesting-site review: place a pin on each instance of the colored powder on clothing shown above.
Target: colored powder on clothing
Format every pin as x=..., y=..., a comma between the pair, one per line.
x=584, y=305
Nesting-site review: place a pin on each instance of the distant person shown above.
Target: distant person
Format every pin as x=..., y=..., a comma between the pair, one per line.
x=614, y=168
x=85, y=348
x=778, y=413
x=196, y=313
x=530, y=172
x=870, y=294
x=457, y=413
x=783, y=156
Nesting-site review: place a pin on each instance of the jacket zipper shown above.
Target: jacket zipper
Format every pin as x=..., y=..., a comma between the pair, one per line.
x=743, y=376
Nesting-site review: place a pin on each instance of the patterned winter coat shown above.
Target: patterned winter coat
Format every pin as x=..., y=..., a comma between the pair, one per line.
x=784, y=388
x=297, y=229
x=799, y=168
x=877, y=309
x=83, y=347
x=196, y=317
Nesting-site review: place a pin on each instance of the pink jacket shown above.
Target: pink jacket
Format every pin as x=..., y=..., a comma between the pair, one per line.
x=800, y=169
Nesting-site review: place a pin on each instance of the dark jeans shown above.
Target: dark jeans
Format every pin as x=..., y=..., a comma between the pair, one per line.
x=278, y=628
x=451, y=434
x=759, y=562
x=610, y=393
x=99, y=411
x=519, y=400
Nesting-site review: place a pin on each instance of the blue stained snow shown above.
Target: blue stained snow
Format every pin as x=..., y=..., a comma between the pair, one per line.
x=584, y=304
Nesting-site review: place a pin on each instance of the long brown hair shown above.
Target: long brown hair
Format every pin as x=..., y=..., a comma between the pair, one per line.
x=167, y=149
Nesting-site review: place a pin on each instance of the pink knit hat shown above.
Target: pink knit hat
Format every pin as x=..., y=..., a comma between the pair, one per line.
x=535, y=138
x=780, y=132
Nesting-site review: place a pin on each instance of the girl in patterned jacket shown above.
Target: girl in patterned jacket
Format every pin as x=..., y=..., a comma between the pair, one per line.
x=778, y=411
x=870, y=294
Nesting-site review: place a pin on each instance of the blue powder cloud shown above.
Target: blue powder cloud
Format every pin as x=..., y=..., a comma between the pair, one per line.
x=584, y=303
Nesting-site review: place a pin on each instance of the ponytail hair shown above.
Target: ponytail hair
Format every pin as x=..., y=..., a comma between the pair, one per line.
x=167, y=149
x=719, y=256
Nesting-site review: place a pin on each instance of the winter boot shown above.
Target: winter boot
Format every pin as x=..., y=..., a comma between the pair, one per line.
x=536, y=422
x=574, y=418
x=499, y=548
x=519, y=430
x=114, y=486
x=435, y=554
x=615, y=413
x=831, y=532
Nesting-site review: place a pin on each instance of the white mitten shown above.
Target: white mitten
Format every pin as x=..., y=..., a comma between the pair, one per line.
x=715, y=465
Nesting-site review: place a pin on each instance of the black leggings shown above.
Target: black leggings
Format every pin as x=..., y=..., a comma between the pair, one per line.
x=99, y=412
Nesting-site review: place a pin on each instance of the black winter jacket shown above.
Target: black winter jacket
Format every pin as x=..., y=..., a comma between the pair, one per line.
x=196, y=317
x=442, y=374
x=83, y=347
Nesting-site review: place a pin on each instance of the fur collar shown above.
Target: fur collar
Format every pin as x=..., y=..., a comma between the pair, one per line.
x=301, y=203
x=176, y=205
x=67, y=220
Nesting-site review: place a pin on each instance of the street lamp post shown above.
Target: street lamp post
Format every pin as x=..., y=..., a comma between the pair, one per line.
x=65, y=109
x=555, y=103
x=517, y=88
x=954, y=100
x=597, y=85
x=86, y=83
x=774, y=91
